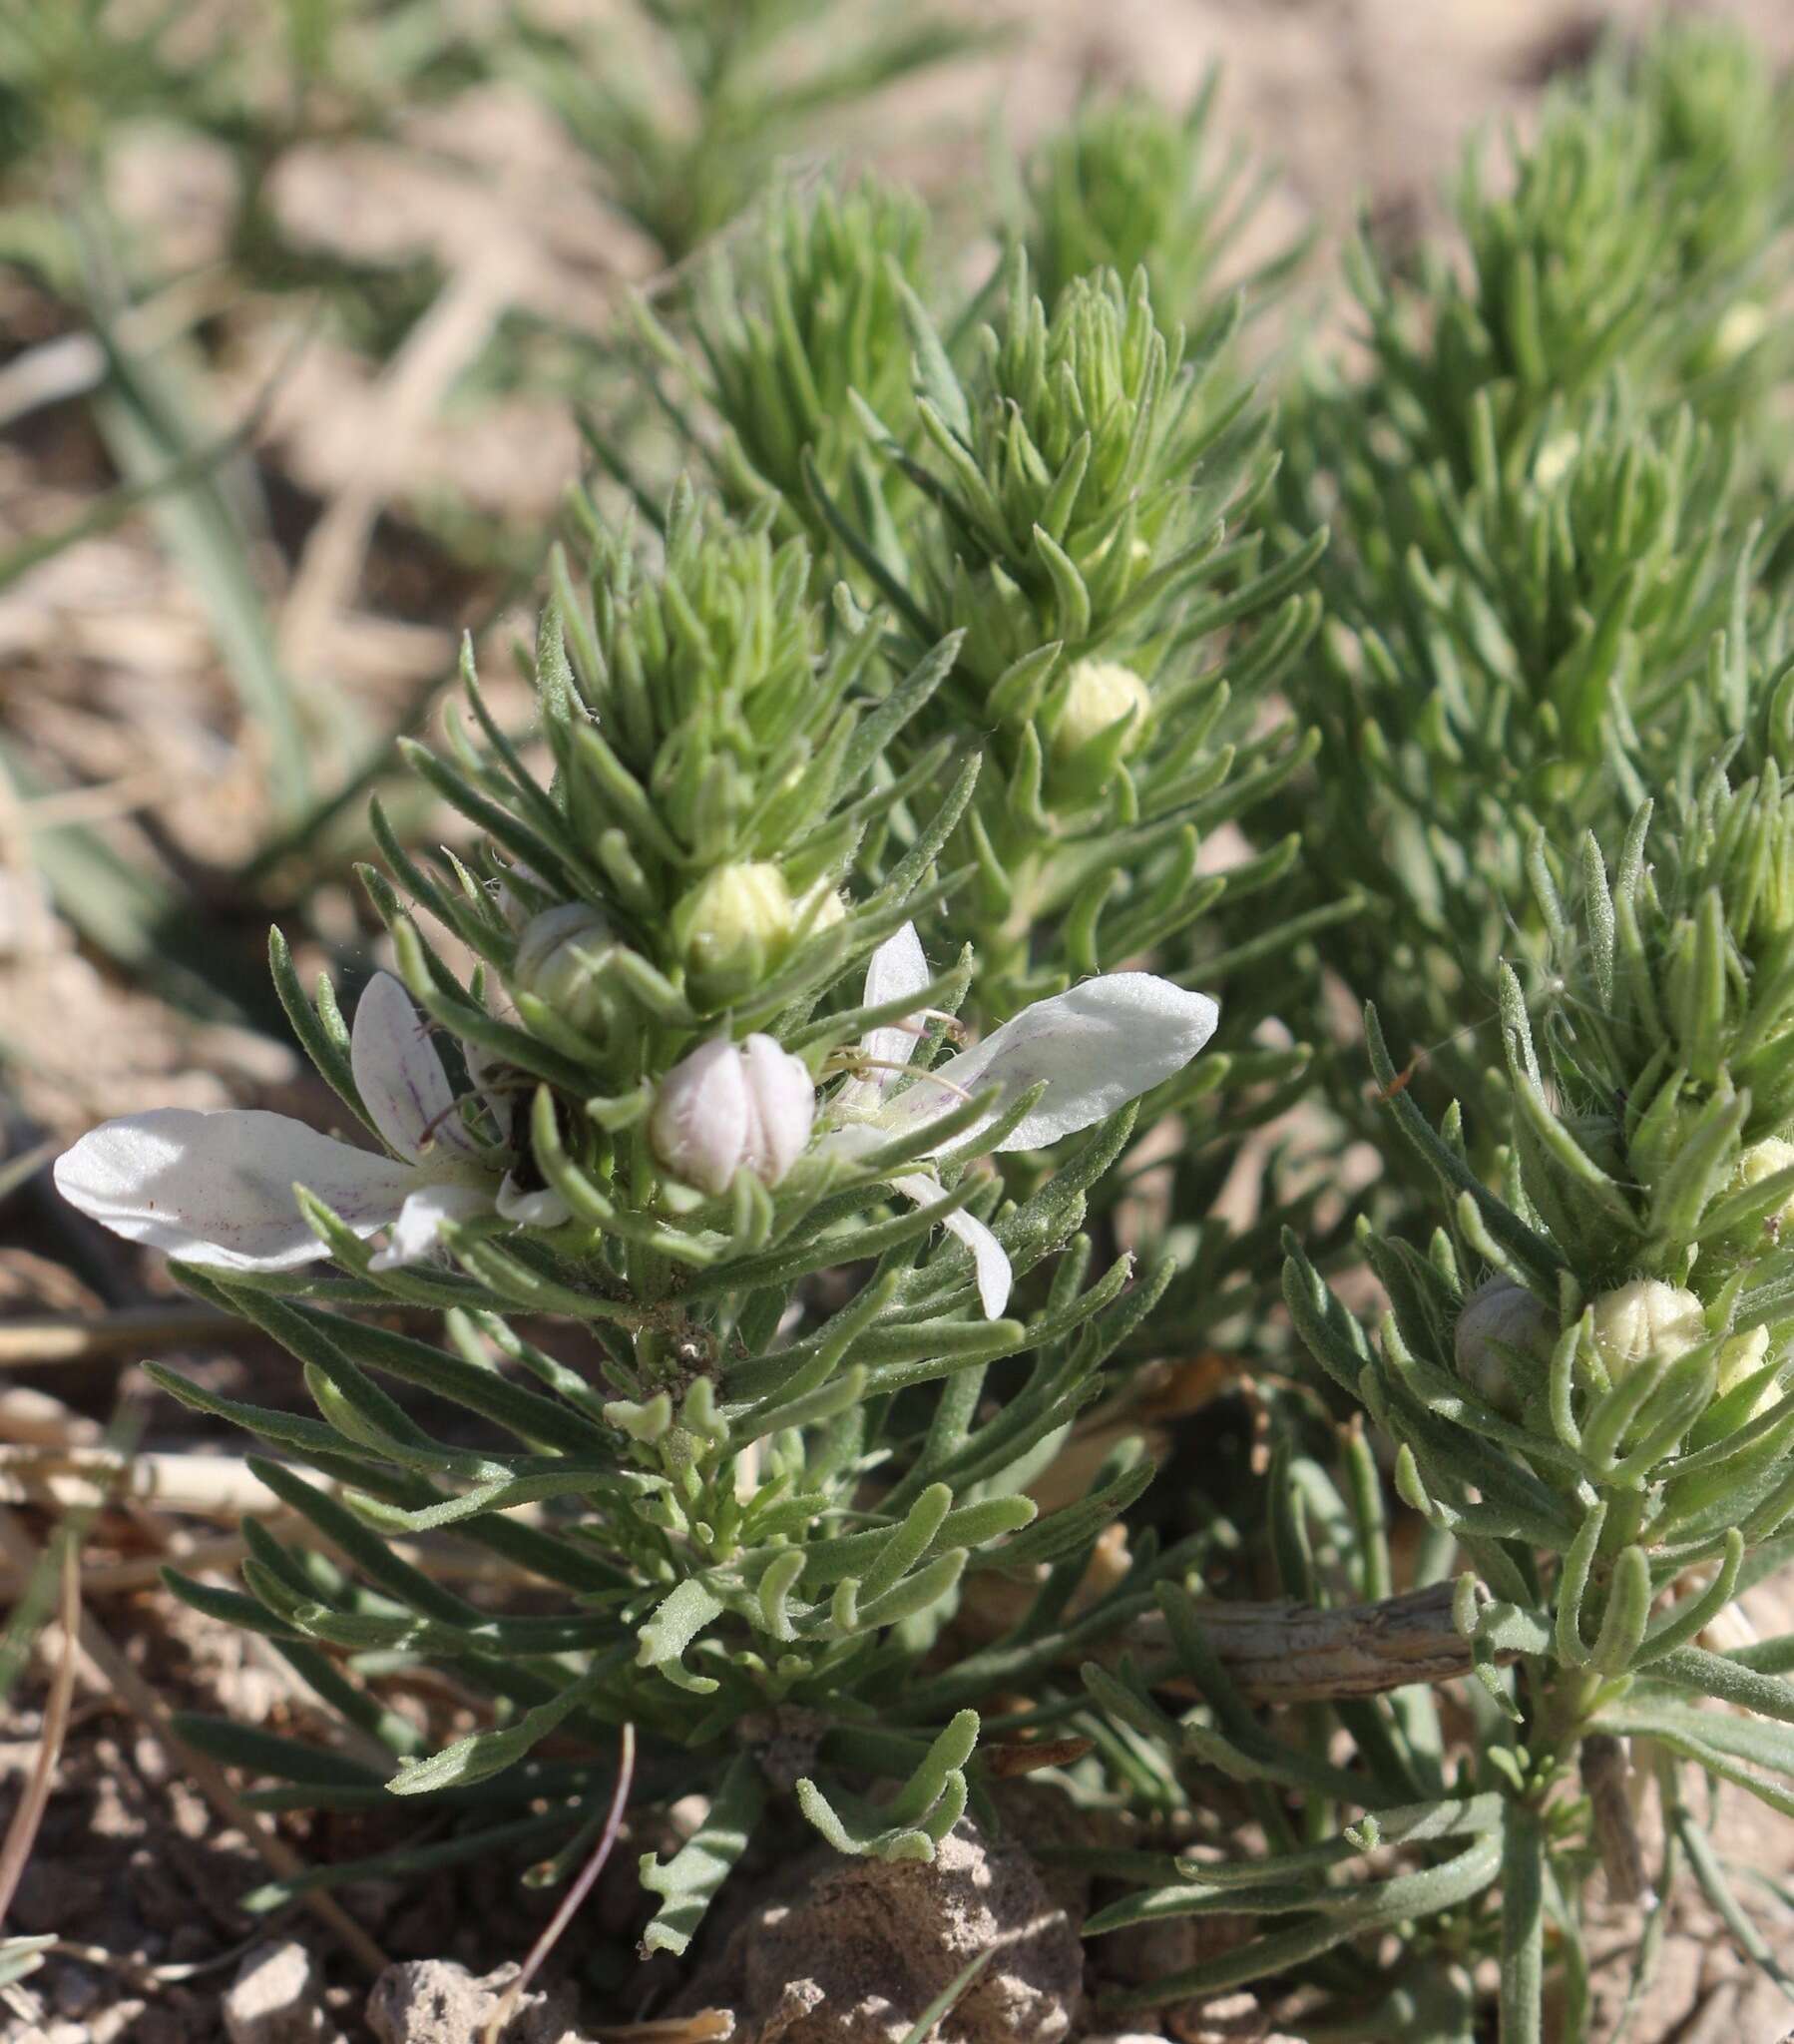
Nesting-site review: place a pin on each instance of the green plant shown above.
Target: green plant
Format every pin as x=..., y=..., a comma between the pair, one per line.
x=1130, y=184
x=757, y=1502
x=688, y=113
x=1549, y=494
x=1013, y=667
x=1583, y=1376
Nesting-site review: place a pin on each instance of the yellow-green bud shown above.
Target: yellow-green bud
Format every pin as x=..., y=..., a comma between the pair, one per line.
x=1101, y=693
x=563, y=956
x=1742, y=1356
x=1500, y=1320
x=1742, y=326
x=733, y=928
x=1554, y=459
x=820, y=909
x=1646, y=1321
x=1763, y=1160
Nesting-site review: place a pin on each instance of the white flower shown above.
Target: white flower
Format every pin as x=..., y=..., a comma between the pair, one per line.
x=1094, y=1048
x=731, y=1106
x=217, y=1189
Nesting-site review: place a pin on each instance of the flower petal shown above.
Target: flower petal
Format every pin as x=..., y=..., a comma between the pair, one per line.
x=400, y=1077
x=487, y=1072
x=544, y=1209
x=990, y=1260
x=897, y=968
x=418, y=1226
x=217, y=1189
x=1097, y=1046
x=781, y=1108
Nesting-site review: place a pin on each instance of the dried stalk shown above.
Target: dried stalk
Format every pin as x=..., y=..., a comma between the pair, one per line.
x=208, y=1487
x=89, y=1338
x=1300, y=1654
x=21, y=1834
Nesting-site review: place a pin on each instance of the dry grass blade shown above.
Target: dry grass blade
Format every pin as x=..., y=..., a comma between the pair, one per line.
x=577, y=1893
x=35, y=1419
x=209, y=1486
x=83, y=1338
x=143, y=419
x=21, y=1834
x=708, y=2026
x=438, y=349
x=116, y=1673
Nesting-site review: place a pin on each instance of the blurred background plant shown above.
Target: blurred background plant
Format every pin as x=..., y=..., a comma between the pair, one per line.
x=1554, y=490
x=1291, y=667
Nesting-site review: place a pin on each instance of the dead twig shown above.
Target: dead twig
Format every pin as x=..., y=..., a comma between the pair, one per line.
x=89, y=1338
x=1289, y=1653
x=21, y=1834
x=577, y=1893
x=416, y=380
x=208, y=1487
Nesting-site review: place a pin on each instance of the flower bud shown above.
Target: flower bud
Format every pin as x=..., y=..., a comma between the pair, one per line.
x=563, y=956
x=1742, y=1356
x=820, y=908
x=1646, y=1321
x=733, y=928
x=1763, y=1160
x=1101, y=693
x=1739, y=330
x=734, y=1106
x=1500, y=1320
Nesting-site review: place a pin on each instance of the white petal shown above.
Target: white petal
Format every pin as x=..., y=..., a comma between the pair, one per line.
x=400, y=1077
x=217, y=1189
x=781, y=1104
x=897, y=968
x=1097, y=1046
x=418, y=1227
x=484, y=1069
x=702, y=1115
x=544, y=1209
x=990, y=1260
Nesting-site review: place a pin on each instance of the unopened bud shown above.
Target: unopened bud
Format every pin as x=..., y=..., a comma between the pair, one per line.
x=1763, y=1160
x=1739, y=1359
x=817, y=910
x=1646, y=1321
x=1501, y=1323
x=1555, y=458
x=563, y=956
x=1739, y=330
x=733, y=928
x=1101, y=693
x=733, y=1107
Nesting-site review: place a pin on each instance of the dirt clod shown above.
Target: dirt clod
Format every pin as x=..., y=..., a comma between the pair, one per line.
x=273, y=1999
x=435, y=2001
x=863, y=1947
